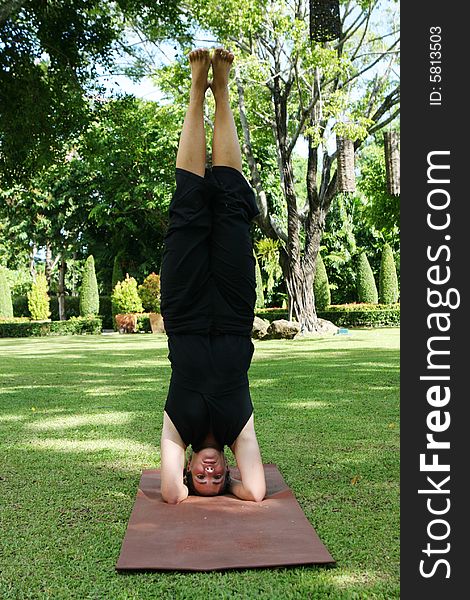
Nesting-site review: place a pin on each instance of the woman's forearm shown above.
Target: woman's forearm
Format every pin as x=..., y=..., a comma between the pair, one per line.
x=238, y=490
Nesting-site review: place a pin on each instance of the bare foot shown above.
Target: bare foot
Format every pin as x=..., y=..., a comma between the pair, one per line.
x=200, y=60
x=221, y=64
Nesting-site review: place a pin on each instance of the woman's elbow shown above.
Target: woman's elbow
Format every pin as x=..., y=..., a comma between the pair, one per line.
x=258, y=493
x=174, y=496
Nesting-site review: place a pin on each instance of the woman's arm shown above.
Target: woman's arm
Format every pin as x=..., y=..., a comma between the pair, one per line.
x=253, y=484
x=172, y=456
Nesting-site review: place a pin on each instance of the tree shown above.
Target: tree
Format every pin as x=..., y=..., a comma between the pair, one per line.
x=49, y=58
x=388, y=281
x=128, y=158
x=366, y=287
x=290, y=88
x=89, y=296
x=321, y=285
x=108, y=197
x=6, y=305
x=38, y=299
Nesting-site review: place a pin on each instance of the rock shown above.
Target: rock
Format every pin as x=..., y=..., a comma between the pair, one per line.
x=283, y=329
x=324, y=328
x=260, y=328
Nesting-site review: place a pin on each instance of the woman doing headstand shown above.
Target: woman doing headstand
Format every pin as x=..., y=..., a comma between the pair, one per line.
x=207, y=303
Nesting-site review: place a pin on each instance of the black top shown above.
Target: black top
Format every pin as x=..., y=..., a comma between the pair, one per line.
x=209, y=389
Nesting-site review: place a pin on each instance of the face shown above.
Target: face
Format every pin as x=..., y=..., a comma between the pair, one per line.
x=208, y=468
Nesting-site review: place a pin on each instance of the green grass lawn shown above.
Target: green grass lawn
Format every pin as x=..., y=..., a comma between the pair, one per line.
x=80, y=417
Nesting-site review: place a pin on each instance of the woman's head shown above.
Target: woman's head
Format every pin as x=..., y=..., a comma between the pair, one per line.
x=207, y=472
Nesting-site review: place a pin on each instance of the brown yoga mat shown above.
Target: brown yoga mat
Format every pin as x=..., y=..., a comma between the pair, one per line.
x=220, y=532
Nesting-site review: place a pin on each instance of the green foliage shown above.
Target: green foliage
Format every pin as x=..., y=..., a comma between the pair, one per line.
x=6, y=305
x=74, y=326
x=143, y=323
x=382, y=210
x=125, y=297
x=321, y=285
x=366, y=287
x=38, y=299
x=388, y=281
x=89, y=296
x=47, y=67
x=339, y=245
x=267, y=253
x=128, y=159
x=259, y=286
x=149, y=292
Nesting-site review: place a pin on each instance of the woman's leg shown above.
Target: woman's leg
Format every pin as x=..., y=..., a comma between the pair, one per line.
x=225, y=145
x=234, y=206
x=192, y=145
x=185, y=274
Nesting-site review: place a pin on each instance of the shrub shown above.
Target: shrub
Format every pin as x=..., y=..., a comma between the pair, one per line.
x=125, y=297
x=149, y=292
x=321, y=286
x=72, y=308
x=6, y=304
x=89, y=296
x=362, y=315
x=388, y=281
x=348, y=315
x=365, y=282
x=20, y=305
x=22, y=327
x=38, y=299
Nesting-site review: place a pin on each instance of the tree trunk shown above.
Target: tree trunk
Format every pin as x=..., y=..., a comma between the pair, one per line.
x=32, y=264
x=48, y=266
x=301, y=297
x=61, y=288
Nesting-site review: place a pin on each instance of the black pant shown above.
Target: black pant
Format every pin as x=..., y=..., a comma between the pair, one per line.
x=208, y=270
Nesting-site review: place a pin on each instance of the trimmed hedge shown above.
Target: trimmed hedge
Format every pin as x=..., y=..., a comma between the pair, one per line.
x=89, y=297
x=272, y=314
x=27, y=328
x=388, y=280
x=365, y=315
x=72, y=308
x=347, y=315
x=365, y=282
